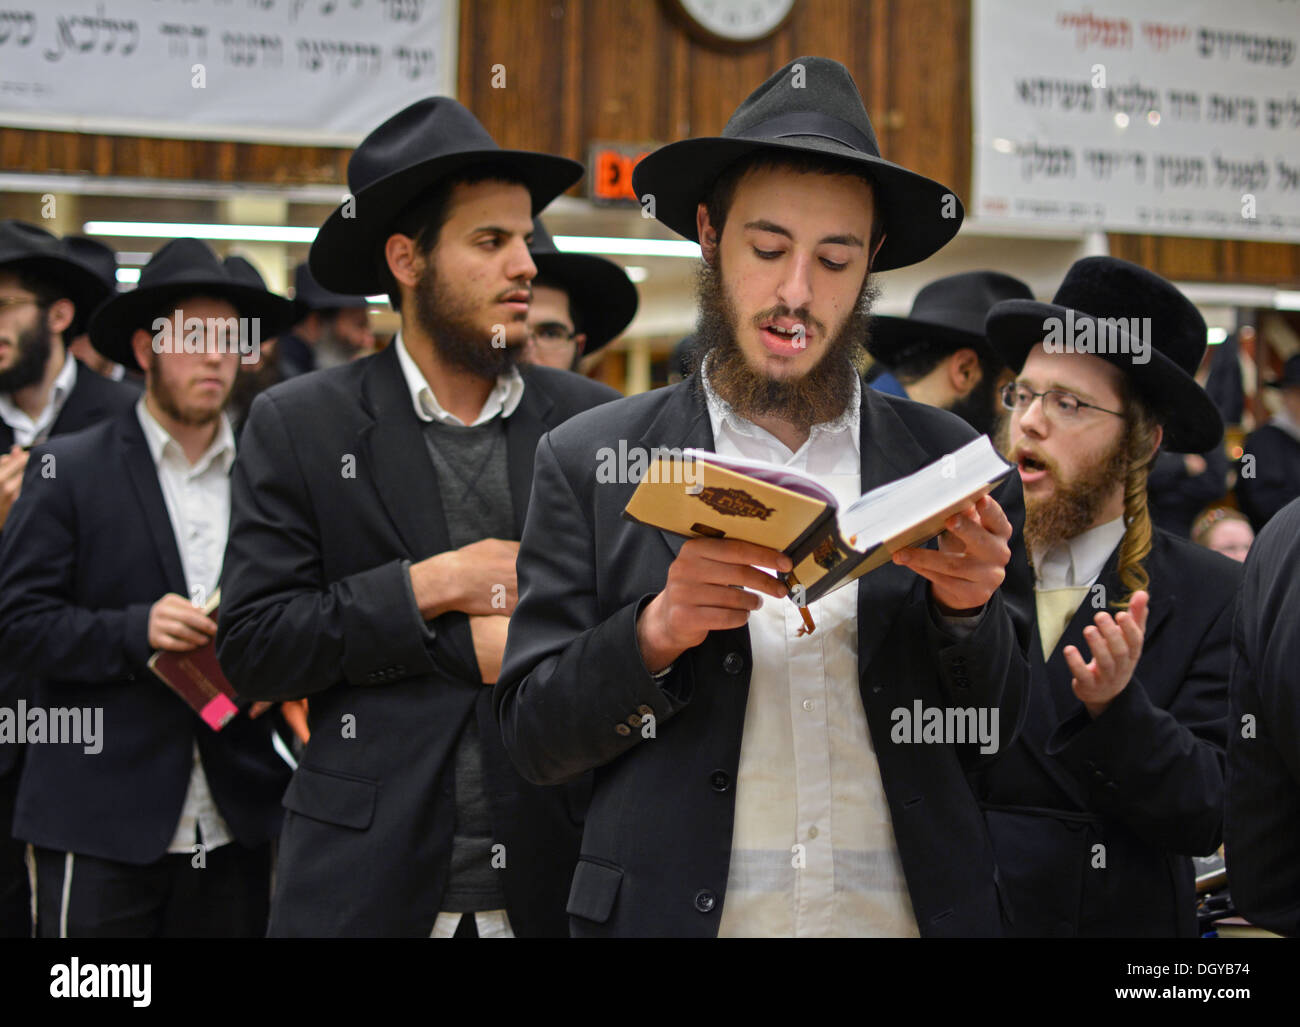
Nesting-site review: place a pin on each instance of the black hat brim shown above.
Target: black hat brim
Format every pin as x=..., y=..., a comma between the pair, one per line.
x=604, y=296
x=888, y=338
x=115, y=322
x=1191, y=421
x=912, y=206
x=345, y=256
x=83, y=286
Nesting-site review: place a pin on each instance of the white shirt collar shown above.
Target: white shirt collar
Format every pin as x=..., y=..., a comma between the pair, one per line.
x=503, y=399
x=35, y=428
x=1078, y=561
x=723, y=415
x=161, y=442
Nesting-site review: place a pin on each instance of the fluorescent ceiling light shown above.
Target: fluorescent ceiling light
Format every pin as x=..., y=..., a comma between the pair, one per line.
x=1286, y=300
x=128, y=275
x=178, y=230
x=627, y=247
x=1217, y=335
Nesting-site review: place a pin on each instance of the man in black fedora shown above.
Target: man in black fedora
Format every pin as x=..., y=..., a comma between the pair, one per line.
x=377, y=508
x=1269, y=477
x=746, y=778
x=1117, y=779
x=939, y=353
x=44, y=391
x=580, y=303
x=99, y=258
x=151, y=823
x=330, y=328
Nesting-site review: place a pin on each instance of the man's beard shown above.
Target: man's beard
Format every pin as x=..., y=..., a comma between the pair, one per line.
x=33, y=348
x=977, y=408
x=457, y=340
x=819, y=396
x=1073, y=506
x=162, y=394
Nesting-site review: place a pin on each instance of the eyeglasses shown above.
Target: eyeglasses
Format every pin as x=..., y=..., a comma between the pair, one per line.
x=1057, y=405
x=15, y=301
x=552, y=333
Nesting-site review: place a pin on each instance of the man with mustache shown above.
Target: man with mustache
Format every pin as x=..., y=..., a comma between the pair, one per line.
x=161, y=826
x=746, y=780
x=1117, y=779
x=45, y=296
x=371, y=565
x=939, y=353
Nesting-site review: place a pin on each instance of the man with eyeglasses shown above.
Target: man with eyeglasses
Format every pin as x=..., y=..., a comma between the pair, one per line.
x=578, y=304
x=1117, y=778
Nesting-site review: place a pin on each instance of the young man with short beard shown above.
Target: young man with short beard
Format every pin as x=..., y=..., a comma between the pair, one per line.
x=371, y=564
x=161, y=827
x=746, y=780
x=1117, y=779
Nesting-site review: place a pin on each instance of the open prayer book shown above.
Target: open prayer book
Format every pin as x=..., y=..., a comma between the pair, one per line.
x=698, y=494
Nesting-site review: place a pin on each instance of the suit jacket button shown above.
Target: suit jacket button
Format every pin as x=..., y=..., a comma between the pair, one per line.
x=734, y=663
x=634, y=720
x=720, y=780
x=705, y=901
x=622, y=729
x=644, y=710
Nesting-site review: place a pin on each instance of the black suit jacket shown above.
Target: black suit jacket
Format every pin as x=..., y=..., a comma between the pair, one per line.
x=1262, y=819
x=656, y=848
x=1273, y=458
x=86, y=552
x=92, y=399
x=1144, y=780
x=334, y=493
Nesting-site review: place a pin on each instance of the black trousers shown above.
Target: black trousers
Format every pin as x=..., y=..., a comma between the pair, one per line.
x=88, y=897
x=15, y=893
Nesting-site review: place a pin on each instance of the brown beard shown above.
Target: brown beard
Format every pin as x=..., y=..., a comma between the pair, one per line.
x=168, y=403
x=821, y=395
x=1073, y=505
x=448, y=321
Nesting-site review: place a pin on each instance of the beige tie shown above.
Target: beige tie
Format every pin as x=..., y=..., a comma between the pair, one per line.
x=1056, y=608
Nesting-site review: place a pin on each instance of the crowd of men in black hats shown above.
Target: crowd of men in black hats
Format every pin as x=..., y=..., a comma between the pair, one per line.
x=475, y=700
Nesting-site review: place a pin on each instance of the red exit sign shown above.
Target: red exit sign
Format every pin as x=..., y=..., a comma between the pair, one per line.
x=609, y=175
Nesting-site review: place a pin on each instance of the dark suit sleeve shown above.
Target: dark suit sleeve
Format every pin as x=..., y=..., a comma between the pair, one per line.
x=1262, y=818
x=42, y=632
x=1160, y=771
x=284, y=632
x=565, y=686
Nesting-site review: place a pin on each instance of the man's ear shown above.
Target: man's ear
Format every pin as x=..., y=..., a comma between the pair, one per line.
x=142, y=347
x=404, y=259
x=59, y=316
x=707, y=236
x=963, y=370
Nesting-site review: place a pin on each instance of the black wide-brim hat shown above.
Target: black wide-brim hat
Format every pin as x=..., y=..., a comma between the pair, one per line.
x=947, y=313
x=309, y=295
x=33, y=249
x=402, y=159
x=1097, y=288
x=816, y=110
x=599, y=290
x=1290, y=374
x=181, y=269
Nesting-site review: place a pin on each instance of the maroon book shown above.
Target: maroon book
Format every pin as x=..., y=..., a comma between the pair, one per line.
x=196, y=677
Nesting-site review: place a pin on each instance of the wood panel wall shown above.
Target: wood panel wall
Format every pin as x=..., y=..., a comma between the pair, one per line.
x=625, y=70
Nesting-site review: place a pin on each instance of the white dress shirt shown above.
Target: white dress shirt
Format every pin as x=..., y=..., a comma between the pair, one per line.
x=812, y=849
x=29, y=431
x=198, y=504
x=1078, y=562
x=503, y=399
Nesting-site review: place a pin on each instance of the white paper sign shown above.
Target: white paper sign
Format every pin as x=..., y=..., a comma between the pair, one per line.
x=293, y=71
x=1174, y=117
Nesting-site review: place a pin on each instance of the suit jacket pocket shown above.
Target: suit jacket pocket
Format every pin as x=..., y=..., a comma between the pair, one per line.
x=332, y=797
x=594, y=891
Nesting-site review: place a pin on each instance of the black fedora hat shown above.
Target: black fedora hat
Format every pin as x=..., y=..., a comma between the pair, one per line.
x=244, y=270
x=309, y=295
x=604, y=298
x=33, y=249
x=183, y=268
x=1290, y=375
x=816, y=110
x=948, y=312
x=1107, y=289
x=402, y=159
x=100, y=259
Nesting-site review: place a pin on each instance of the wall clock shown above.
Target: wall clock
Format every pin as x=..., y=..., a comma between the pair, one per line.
x=732, y=22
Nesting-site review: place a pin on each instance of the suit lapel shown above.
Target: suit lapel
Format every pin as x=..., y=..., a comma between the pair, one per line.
x=523, y=430
x=888, y=451
x=84, y=405
x=143, y=475
x=395, y=451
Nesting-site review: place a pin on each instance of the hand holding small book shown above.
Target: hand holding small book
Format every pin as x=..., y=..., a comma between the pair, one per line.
x=177, y=625
x=971, y=560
